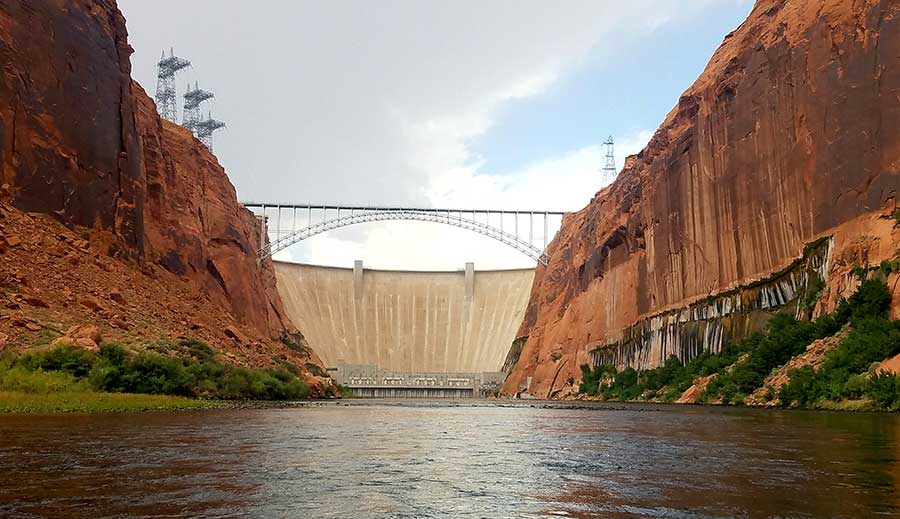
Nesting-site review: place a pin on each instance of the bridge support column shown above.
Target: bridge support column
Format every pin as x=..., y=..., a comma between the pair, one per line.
x=357, y=279
x=470, y=281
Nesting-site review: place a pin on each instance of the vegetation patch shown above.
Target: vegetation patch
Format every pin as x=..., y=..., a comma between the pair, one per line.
x=344, y=391
x=76, y=375
x=66, y=401
x=846, y=378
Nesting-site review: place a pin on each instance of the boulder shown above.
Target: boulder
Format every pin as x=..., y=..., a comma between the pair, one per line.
x=889, y=367
x=85, y=331
x=91, y=303
x=119, y=323
x=117, y=296
x=33, y=300
x=238, y=336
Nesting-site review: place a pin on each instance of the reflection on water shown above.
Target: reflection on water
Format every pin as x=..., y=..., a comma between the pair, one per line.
x=380, y=460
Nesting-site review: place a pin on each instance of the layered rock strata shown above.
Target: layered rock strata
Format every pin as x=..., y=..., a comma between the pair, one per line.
x=791, y=134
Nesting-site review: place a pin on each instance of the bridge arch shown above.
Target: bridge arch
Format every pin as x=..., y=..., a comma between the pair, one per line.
x=381, y=215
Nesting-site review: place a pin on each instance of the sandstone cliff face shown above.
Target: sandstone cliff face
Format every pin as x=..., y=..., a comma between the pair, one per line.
x=790, y=134
x=194, y=227
x=69, y=142
x=81, y=142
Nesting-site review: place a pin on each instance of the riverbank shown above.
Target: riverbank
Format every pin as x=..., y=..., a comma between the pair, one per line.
x=67, y=378
x=845, y=360
x=93, y=402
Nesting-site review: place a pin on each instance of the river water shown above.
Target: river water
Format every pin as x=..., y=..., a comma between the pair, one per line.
x=420, y=459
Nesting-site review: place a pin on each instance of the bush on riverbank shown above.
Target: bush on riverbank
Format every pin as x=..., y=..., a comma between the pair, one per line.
x=114, y=370
x=840, y=377
x=742, y=367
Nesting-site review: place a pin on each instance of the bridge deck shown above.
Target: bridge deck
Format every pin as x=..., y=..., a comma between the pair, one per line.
x=275, y=205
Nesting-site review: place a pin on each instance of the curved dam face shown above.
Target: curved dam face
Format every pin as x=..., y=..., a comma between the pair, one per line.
x=407, y=321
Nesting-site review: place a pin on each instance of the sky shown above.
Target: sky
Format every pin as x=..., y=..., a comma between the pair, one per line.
x=500, y=104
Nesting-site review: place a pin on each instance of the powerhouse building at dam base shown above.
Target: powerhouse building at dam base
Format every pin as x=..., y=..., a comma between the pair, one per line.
x=392, y=334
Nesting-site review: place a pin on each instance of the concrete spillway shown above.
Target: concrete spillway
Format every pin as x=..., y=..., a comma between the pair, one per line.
x=407, y=321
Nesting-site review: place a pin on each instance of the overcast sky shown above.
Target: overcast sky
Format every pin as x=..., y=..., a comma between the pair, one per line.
x=487, y=104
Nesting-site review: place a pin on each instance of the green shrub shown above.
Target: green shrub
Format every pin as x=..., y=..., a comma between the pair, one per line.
x=890, y=266
x=871, y=299
x=625, y=385
x=840, y=375
x=855, y=387
x=198, y=349
x=590, y=378
x=38, y=382
x=884, y=390
x=799, y=389
x=115, y=370
x=813, y=291
x=784, y=338
x=68, y=359
x=872, y=338
x=156, y=374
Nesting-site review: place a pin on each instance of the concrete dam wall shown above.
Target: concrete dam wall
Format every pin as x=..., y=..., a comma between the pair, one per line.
x=407, y=321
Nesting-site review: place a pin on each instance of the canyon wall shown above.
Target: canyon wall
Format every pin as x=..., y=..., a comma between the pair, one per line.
x=81, y=142
x=790, y=135
x=407, y=321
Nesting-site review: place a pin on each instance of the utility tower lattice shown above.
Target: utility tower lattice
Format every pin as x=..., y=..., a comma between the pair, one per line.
x=167, y=67
x=193, y=97
x=609, y=168
x=204, y=129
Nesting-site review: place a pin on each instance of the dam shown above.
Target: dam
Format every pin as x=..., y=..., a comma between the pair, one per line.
x=407, y=325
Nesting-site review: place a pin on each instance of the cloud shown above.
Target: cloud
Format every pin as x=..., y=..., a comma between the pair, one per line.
x=379, y=103
x=561, y=183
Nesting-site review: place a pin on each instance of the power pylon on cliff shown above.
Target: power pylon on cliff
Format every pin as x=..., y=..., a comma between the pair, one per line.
x=609, y=169
x=204, y=129
x=168, y=66
x=193, y=97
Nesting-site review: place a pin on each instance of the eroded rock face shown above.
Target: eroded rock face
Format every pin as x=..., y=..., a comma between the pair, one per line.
x=80, y=141
x=69, y=144
x=791, y=133
x=194, y=226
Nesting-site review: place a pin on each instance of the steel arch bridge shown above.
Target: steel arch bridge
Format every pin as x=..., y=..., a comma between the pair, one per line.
x=283, y=225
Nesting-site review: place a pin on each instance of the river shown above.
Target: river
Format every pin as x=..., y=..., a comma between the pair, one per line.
x=369, y=459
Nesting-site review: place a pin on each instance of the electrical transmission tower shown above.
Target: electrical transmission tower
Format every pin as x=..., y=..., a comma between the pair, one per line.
x=167, y=67
x=193, y=97
x=204, y=129
x=609, y=168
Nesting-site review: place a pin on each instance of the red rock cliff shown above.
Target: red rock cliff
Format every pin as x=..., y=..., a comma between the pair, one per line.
x=81, y=142
x=791, y=133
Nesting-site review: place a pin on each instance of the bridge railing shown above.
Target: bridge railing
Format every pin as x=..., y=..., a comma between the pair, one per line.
x=277, y=233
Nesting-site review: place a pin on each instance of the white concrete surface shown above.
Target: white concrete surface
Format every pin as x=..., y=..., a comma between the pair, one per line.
x=406, y=321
